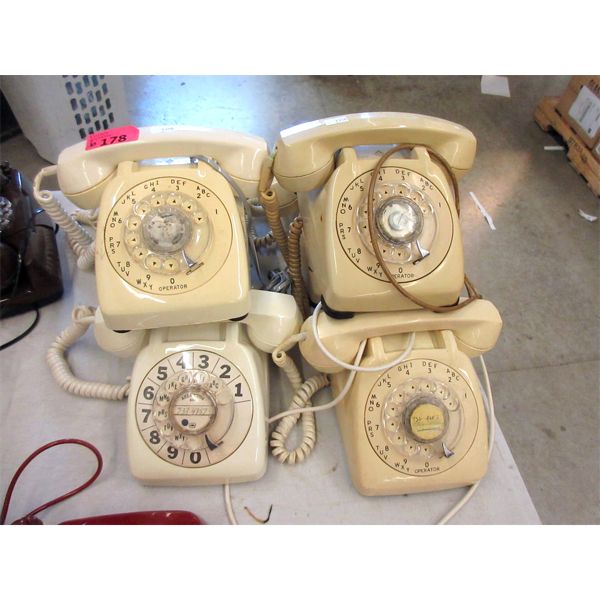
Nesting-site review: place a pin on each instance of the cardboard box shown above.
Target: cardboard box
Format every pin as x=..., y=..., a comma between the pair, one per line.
x=579, y=106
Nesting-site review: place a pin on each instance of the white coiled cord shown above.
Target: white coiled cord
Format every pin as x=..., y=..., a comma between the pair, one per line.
x=80, y=240
x=87, y=217
x=303, y=393
x=301, y=404
x=83, y=317
x=301, y=399
x=86, y=255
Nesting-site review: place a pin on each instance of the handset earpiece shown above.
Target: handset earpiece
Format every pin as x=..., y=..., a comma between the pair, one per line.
x=124, y=344
x=273, y=318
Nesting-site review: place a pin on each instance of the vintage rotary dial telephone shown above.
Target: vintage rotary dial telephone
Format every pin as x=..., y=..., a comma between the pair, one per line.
x=199, y=394
x=414, y=210
x=171, y=247
x=419, y=425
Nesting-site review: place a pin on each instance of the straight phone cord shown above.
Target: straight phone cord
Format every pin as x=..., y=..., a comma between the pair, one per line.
x=489, y=405
x=472, y=292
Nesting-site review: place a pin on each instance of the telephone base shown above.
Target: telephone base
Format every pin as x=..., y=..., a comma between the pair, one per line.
x=394, y=301
x=171, y=248
x=151, y=480
x=411, y=486
x=26, y=300
x=338, y=250
x=417, y=427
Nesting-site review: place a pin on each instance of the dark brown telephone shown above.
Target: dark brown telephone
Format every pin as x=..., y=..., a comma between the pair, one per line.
x=30, y=275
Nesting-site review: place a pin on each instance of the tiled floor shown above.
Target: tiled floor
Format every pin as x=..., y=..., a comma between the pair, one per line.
x=540, y=266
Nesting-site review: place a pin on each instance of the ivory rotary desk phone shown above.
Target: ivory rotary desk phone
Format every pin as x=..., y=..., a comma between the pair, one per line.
x=199, y=395
x=414, y=209
x=381, y=254
x=419, y=425
x=171, y=246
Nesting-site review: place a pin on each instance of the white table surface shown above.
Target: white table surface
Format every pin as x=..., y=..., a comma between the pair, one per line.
x=34, y=411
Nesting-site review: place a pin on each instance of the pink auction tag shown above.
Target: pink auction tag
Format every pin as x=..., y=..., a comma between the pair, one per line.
x=118, y=135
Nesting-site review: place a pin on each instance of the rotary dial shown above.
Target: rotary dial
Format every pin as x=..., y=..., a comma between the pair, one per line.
x=413, y=224
x=419, y=426
x=160, y=236
x=166, y=230
x=399, y=220
x=194, y=408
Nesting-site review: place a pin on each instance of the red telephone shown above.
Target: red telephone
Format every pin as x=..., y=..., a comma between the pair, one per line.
x=150, y=517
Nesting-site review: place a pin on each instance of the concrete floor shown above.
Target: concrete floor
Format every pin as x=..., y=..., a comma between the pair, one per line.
x=540, y=266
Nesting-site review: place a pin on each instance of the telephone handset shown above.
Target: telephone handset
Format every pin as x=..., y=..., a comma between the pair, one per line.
x=198, y=400
x=166, y=231
x=414, y=212
x=83, y=172
x=419, y=425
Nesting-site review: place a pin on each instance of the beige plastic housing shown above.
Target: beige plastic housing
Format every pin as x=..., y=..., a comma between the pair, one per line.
x=273, y=318
x=339, y=264
x=243, y=451
x=203, y=278
x=134, y=295
x=376, y=467
x=438, y=366
x=225, y=352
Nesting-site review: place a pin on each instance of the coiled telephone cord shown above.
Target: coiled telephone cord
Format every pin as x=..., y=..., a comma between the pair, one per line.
x=81, y=242
x=87, y=217
x=265, y=241
x=301, y=404
x=270, y=204
x=472, y=292
x=295, y=267
x=86, y=255
x=83, y=317
x=303, y=393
